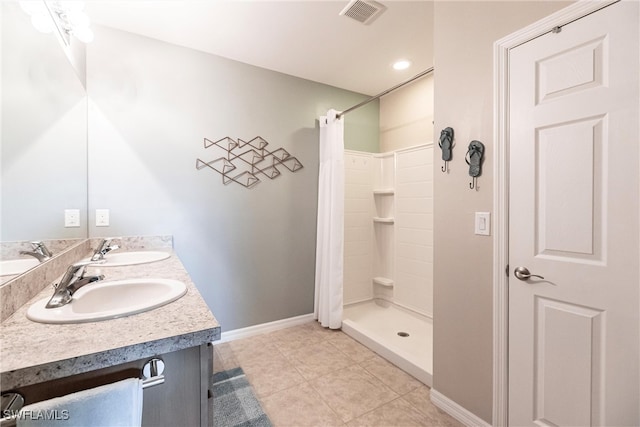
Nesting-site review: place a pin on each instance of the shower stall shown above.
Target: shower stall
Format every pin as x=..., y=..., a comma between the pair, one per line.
x=388, y=255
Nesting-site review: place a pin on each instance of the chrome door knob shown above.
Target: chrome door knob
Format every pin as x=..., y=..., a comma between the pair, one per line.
x=522, y=273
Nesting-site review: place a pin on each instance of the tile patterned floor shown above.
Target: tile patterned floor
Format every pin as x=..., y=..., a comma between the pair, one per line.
x=311, y=376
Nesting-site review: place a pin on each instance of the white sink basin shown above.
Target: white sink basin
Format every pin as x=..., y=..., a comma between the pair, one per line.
x=110, y=300
x=118, y=259
x=10, y=267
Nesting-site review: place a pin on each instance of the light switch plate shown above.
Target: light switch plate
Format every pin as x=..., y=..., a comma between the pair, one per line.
x=102, y=217
x=483, y=223
x=71, y=218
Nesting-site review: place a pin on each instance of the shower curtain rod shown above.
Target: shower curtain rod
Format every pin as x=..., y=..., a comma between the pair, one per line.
x=381, y=94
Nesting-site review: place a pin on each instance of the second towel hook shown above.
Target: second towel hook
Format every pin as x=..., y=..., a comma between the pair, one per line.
x=474, y=158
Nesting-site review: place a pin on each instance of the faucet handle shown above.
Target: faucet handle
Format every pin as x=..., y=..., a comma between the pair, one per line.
x=77, y=268
x=76, y=271
x=111, y=248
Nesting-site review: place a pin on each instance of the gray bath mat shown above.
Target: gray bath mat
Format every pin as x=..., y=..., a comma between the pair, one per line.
x=234, y=403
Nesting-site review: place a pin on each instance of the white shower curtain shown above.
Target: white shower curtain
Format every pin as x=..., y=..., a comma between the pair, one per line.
x=330, y=234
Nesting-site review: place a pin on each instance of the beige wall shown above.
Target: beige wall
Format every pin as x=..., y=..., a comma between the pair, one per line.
x=406, y=116
x=463, y=48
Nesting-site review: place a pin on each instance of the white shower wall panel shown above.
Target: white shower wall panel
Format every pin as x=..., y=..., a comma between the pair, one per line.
x=414, y=236
x=384, y=174
x=358, y=227
x=383, y=260
x=414, y=229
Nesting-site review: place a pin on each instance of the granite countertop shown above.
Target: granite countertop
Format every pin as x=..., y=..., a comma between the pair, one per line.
x=33, y=352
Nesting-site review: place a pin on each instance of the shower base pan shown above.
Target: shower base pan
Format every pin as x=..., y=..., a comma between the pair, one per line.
x=401, y=336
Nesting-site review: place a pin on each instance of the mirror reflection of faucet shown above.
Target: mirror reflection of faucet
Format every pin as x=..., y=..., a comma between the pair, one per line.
x=40, y=251
x=72, y=280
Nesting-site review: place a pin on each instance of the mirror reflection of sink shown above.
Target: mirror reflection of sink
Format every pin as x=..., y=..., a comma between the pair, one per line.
x=119, y=259
x=17, y=266
x=109, y=300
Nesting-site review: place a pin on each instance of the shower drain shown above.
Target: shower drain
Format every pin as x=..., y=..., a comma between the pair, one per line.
x=403, y=334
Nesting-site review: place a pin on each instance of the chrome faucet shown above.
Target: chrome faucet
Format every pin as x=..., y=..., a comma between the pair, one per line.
x=103, y=248
x=39, y=251
x=72, y=280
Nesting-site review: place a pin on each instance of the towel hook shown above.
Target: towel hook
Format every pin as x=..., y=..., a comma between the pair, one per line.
x=474, y=157
x=446, y=144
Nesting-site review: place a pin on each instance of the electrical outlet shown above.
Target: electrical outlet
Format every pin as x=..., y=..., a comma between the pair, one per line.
x=102, y=217
x=71, y=218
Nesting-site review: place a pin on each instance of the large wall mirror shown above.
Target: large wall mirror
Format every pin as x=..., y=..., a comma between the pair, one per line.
x=43, y=160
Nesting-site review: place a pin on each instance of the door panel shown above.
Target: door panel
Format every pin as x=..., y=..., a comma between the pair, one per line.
x=569, y=189
x=567, y=332
x=578, y=68
x=573, y=218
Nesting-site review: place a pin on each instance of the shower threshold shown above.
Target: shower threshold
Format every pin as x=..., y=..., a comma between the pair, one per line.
x=403, y=337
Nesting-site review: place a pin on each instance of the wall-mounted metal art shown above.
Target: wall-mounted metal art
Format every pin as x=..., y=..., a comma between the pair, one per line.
x=243, y=162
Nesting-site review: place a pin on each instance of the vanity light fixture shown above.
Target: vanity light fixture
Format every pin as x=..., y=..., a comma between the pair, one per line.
x=67, y=17
x=401, y=64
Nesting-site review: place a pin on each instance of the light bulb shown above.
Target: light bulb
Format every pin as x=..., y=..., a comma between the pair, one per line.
x=84, y=34
x=42, y=23
x=402, y=64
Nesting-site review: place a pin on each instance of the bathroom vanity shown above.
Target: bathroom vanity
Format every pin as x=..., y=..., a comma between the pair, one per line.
x=41, y=361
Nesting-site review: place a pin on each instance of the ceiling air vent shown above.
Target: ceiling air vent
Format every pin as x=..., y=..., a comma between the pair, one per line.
x=363, y=11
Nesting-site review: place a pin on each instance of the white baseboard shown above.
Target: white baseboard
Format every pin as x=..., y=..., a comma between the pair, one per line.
x=456, y=411
x=263, y=328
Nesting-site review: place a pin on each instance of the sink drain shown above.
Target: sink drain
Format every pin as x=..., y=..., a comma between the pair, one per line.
x=403, y=334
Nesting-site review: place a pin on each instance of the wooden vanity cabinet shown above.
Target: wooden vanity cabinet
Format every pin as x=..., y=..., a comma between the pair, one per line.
x=184, y=399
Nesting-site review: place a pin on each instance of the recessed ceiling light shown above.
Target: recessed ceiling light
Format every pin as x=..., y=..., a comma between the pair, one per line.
x=402, y=64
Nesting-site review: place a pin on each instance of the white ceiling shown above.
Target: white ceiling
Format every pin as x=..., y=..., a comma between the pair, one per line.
x=306, y=39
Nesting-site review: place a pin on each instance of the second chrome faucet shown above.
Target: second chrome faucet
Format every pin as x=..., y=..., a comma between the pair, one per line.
x=103, y=248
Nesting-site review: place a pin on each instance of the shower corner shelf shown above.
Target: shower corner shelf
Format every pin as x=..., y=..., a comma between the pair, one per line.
x=383, y=281
x=384, y=192
x=383, y=220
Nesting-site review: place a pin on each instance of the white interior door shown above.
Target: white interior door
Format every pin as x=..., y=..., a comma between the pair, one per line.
x=574, y=219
